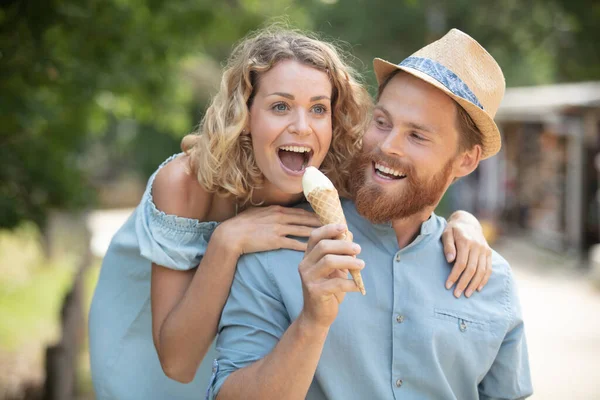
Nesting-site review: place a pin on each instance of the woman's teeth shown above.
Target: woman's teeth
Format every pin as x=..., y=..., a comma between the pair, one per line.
x=296, y=149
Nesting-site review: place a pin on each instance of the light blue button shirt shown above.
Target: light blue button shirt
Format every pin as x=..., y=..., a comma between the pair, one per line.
x=408, y=338
x=124, y=361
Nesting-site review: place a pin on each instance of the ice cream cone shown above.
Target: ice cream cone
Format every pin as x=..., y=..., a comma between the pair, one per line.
x=325, y=201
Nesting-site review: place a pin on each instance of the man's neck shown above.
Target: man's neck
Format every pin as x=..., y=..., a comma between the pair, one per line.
x=407, y=229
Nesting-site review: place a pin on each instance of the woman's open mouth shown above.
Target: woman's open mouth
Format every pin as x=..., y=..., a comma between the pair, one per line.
x=294, y=159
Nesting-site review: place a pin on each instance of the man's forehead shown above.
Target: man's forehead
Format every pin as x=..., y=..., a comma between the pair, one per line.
x=405, y=84
x=405, y=93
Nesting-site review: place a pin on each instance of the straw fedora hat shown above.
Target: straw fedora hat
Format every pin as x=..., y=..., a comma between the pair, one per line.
x=460, y=67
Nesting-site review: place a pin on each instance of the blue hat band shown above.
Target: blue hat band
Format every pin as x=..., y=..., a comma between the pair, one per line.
x=444, y=76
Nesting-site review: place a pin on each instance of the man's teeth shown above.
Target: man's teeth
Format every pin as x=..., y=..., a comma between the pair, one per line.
x=296, y=149
x=389, y=171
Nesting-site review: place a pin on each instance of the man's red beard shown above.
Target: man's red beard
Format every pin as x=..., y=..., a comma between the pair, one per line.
x=377, y=205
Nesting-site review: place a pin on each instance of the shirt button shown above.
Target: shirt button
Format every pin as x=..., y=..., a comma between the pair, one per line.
x=399, y=318
x=462, y=325
x=398, y=382
x=398, y=257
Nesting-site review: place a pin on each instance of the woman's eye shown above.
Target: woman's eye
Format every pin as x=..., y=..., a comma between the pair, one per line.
x=280, y=107
x=320, y=109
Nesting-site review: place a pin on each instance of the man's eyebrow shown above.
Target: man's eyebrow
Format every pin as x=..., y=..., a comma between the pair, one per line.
x=413, y=125
x=420, y=127
x=383, y=110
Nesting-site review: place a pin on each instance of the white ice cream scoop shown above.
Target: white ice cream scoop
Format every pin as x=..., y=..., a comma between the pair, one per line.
x=313, y=179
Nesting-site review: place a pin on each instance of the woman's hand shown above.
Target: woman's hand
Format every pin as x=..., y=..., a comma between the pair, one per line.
x=466, y=246
x=266, y=228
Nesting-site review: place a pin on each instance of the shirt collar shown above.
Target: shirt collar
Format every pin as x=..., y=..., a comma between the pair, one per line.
x=427, y=227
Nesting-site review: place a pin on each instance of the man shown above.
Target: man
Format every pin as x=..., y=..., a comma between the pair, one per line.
x=286, y=335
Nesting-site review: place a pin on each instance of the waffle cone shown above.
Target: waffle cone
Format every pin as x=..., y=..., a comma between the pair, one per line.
x=326, y=204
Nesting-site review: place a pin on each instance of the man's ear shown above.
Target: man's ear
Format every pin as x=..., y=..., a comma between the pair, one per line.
x=467, y=161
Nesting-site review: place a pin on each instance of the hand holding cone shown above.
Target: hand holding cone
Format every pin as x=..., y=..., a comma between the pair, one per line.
x=325, y=201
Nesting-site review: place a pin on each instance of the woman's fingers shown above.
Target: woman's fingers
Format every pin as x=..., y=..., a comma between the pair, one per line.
x=336, y=285
x=295, y=230
x=449, y=246
x=327, y=232
x=468, y=273
x=488, y=271
x=286, y=215
x=292, y=244
x=300, y=219
x=479, y=275
x=459, y=265
x=333, y=262
x=330, y=247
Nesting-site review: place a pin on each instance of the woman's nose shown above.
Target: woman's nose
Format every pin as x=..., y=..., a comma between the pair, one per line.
x=300, y=125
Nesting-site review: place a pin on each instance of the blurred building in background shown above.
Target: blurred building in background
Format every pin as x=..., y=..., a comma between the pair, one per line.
x=544, y=182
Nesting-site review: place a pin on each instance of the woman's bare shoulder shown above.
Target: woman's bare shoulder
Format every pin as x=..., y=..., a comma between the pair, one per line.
x=176, y=191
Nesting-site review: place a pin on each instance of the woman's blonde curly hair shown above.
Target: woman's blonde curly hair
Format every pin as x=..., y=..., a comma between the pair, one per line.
x=223, y=159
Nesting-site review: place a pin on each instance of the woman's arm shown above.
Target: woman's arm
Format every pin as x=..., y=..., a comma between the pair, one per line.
x=186, y=305
x=466, y=246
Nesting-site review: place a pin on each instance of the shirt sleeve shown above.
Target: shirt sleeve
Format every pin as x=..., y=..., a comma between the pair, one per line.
x=169, y=240
x=509, y=377
x=253, y=320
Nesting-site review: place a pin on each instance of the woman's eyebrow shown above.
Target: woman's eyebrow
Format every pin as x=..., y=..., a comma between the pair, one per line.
x=291, y=97
x=282, y=94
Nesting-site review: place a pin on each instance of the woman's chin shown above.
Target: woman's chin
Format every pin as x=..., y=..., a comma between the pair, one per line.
x=282, y=189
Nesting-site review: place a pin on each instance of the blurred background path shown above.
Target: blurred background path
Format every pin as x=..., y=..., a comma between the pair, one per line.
x=562, y=321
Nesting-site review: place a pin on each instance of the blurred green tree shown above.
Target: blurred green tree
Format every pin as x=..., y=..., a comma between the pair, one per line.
x=75, y=74
x=91, y=88
x=579, y=50
x=535, y=42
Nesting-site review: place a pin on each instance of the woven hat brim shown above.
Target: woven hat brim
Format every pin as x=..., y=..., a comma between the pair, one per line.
x=491, y=138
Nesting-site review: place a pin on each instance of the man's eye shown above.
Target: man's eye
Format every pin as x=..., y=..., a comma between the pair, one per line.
x=280, y=107
x=417, y=136
x=380, y=123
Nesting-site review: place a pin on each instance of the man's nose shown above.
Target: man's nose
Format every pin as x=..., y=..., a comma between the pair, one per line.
x=301, y=125
x=393, y=145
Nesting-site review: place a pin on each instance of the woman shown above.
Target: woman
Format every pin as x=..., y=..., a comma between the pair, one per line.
x=286, y=101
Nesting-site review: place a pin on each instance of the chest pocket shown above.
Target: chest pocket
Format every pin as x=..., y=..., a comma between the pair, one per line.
x=463, y=343
x=463, y=323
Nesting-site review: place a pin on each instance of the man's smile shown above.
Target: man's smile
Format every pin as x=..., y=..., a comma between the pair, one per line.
x=385, y=174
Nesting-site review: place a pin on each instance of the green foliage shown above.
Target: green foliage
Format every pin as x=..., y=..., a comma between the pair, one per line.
x=91, y=88
x=535, y=42
x=579, y=51
x=69, y=68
